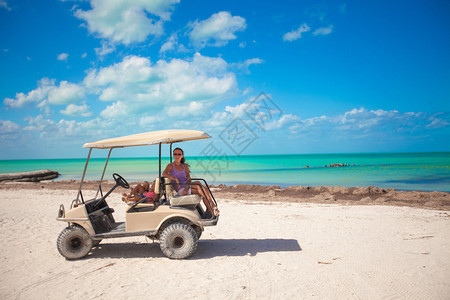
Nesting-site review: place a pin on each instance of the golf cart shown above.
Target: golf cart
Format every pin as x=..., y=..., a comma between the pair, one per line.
x=176, y=221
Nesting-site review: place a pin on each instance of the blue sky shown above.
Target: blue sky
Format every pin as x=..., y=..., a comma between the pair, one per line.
x=345, y=76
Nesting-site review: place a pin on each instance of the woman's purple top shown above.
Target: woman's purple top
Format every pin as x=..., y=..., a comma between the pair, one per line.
x=180, y=175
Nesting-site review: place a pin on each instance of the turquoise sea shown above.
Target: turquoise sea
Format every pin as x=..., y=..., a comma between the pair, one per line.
x=403, y=171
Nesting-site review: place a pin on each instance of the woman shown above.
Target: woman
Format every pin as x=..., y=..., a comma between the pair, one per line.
x=178, y=172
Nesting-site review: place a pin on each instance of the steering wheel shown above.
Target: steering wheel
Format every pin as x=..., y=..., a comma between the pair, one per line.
x=120, y=181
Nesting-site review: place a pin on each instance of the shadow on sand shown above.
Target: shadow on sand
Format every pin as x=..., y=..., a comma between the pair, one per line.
x=243, y=247
x=206, y=248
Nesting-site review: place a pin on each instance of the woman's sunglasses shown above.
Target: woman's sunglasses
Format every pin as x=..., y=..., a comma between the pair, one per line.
x=177, y=154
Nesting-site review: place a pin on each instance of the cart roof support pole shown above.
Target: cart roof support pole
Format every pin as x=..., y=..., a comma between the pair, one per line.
x=84, y=173
x=103, y=174
x=161, y=184
x=159, y=160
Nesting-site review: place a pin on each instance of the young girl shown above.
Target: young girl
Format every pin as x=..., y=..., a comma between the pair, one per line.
x=140, y=191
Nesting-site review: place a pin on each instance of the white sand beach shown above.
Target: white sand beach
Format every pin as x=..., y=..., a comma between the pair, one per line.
x=257, y=251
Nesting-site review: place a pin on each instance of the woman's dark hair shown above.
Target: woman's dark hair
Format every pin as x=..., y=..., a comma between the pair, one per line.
x=182, y=160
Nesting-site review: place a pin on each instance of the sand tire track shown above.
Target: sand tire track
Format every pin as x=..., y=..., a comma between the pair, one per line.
x=61, y=276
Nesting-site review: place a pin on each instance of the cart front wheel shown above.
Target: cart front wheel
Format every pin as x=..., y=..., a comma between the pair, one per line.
x=74, y=242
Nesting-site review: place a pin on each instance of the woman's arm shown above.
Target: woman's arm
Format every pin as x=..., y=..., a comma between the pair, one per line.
x=166, y=172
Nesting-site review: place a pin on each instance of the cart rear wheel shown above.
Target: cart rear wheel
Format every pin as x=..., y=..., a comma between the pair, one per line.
x=198, y=231
x=74, y=242
x=178, y=241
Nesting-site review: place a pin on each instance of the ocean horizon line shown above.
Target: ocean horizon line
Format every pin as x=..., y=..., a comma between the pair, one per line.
x=241, y=155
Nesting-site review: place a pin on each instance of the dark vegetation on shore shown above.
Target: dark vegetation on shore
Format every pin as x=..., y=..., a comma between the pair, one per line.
x=299, y=194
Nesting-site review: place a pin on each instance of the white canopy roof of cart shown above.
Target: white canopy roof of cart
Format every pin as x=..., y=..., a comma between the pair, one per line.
x=150, y=138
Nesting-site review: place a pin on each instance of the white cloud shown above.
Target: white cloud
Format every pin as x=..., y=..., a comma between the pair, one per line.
x=283, y=121
x=63, y=56
x=171, y=44
x=73, y=110
x=437, y=122
x=246, y=91
x=307, y=124
x=116, y=110
x=48, y=93
x=40, y=124
x=237, y=111
x=149, y=121
x=129, y=73
x=39, y=94
x=8, y=127
x=65, y=130
x=84, y=55
x=45, y=108
x=143, y=85
x=136, y=85
x=244, y=112
x=361, y=123
x=362, y=118
x=242, y=44
x=243, y=66
x=323, y=30
x=224, y=117
x=105, y=49
x=66, y=93
x=194, y=108
x=124, y=21
x=217, y=30
x=296, y=34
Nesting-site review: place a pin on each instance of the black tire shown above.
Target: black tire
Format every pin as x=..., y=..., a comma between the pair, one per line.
x=198, y=231
x=178, y=241
x=74, y=242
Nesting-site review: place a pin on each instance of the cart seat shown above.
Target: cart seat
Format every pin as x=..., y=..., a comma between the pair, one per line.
x=174, y=199
x=185, y=200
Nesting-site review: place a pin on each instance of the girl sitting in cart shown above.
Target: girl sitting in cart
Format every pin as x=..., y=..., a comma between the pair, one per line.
x=140, y=191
